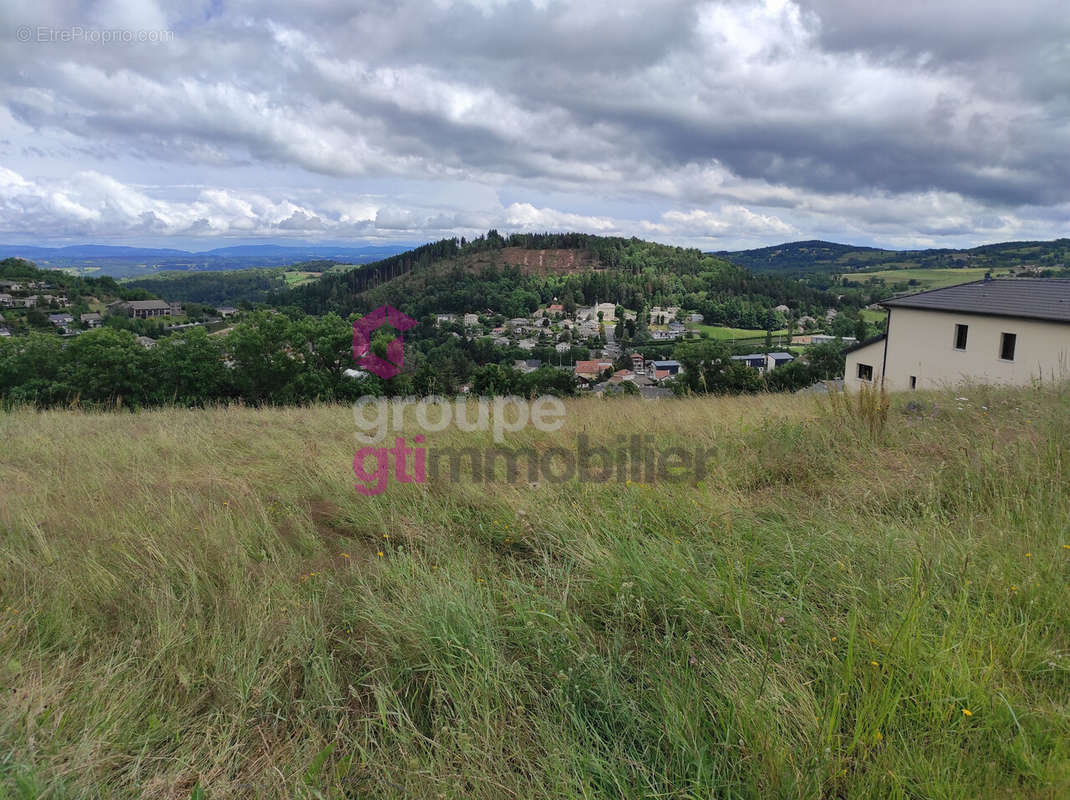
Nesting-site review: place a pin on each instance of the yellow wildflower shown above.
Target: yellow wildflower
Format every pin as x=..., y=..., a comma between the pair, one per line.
x=967, y=713
x=380, y=554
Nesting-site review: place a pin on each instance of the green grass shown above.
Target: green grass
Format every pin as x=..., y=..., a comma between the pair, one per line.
x=198, y=604
x=871, y=315
x=296, y=278
x=725, y=333
x=926, y=278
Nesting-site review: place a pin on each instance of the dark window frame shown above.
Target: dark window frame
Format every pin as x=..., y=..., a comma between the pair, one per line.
x=1006, y=339
x=962, y=335
x=868, y=369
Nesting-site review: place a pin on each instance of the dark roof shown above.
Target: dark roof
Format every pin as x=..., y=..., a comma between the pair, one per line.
x=1030, y=298
x=147, y=305
x=865, y=343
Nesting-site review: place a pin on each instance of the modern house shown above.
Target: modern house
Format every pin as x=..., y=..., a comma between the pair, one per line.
x=92, y=319
x=1013, y=331
x=755, y=360
x=6, y=301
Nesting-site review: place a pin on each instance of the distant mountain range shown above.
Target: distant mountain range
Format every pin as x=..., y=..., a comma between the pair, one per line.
x=818, y=256
x=118, y=261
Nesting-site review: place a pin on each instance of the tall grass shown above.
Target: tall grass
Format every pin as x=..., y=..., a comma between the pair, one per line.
x=198, y=604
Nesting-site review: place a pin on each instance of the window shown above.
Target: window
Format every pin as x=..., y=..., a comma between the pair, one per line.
x=1006, y=346
x=865, y=372
x=913, y=381
x=960, y=336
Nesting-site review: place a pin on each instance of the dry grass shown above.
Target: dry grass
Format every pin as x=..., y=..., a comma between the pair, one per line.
x=193, y=604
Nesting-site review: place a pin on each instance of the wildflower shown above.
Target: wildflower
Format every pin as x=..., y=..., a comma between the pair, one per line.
x=1066, y=547
x=380, y=554
x=1014, y=588
x=780, y=620
x=833, y=638
x=1028, y=555
x=967, y=713
x=878, y=736
x=344, y=555
x=386, y=535
x=875, y=663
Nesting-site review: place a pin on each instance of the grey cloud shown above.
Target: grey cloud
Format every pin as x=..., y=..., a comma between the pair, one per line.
x=807, y=116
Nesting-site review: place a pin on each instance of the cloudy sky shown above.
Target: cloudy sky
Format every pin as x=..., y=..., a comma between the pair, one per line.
x=725, y=124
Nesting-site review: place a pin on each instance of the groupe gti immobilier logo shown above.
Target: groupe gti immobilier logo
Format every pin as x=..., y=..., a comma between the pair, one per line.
x=363, y=329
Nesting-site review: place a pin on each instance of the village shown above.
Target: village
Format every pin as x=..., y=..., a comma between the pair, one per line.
x=616, y=339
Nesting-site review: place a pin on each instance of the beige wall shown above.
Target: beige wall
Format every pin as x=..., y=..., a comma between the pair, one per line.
x=922, y=344
x=871, y=354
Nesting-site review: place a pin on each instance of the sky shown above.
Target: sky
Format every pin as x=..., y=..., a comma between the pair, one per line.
x=723, y=125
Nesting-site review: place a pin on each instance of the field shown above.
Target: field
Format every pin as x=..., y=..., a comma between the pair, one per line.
x=296, y=278
x=926, y=278
x=724, y=333
x=854, y=601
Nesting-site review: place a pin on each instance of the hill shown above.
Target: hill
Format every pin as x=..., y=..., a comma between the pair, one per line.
x=818, y=257
x=513, y=275
x=127, y=262
x=198, y=603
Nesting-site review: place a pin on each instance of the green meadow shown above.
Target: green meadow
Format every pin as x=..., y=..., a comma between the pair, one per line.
x=859, y=597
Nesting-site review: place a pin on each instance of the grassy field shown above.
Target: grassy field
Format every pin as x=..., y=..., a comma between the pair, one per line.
x=296, y=277
x=926, y=278
x=721, y=332
x=197, y=604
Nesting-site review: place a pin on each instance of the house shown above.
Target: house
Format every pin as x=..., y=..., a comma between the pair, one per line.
x=607, y=310
x=145, y=309
x=442, y=319
x=11, y=286
x=471, y=320
x=556, y=308
x=660, y=370
x=679, y=327
x=637, y=363
x=501, y=341
x=662, y=336
x=622, y=375
x=527, y=365
x=6, y=301
x=1011, y=331
x=755, y=360
x=226, y=311
x=4, y=331
x=782, y=309
x=145, y=342
x=774, y=360
x=821, y=338
x=61, y=321
x=695, y=318
x=92, y=319
x=527, y=344
x=563, y=347
x=24, y=302
x=592, y=370
x=662, y=316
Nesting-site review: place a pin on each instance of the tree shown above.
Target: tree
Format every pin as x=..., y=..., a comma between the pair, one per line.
x=827, y=360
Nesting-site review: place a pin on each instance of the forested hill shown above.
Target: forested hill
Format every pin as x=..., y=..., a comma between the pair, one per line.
x=818, y=256
x=514, y=274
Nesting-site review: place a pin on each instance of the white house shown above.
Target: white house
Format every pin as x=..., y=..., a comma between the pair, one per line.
x=1009, y=331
